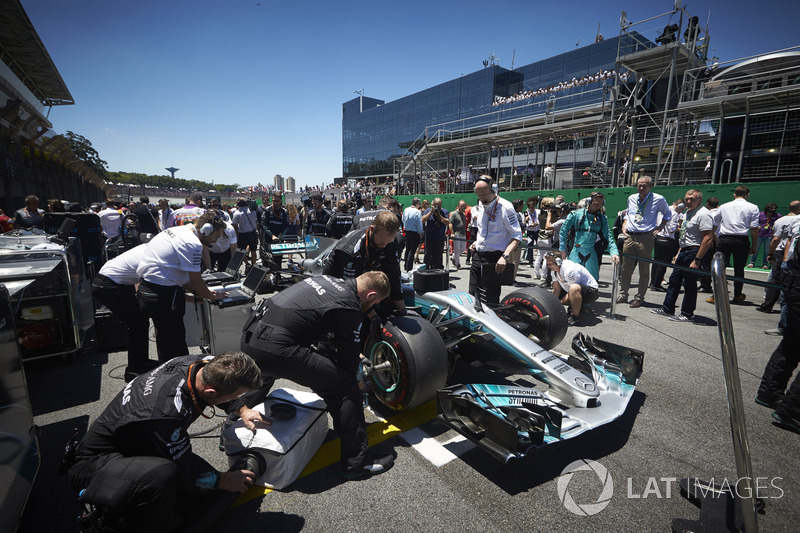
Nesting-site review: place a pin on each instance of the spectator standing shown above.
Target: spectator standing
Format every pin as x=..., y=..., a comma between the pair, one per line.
x=766, y=222
x=665, y=246
x=544, y=236
x=30, y=216
x=458, y=230
x=412, y=222
x=191, y=211
x=694, y=241
x=436, y=224
x=166, y=219
x=245, y=224
x=639, y=227
x=712, y=204
x=532, y=227
x=498, y=234
x=777, y=247
x=110, y=221
x=147, y=215
x=738, y=235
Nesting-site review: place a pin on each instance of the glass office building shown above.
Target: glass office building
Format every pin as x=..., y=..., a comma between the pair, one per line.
x=374, y=132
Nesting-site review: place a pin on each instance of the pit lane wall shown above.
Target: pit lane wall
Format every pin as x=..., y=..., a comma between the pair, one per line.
x=761, y=193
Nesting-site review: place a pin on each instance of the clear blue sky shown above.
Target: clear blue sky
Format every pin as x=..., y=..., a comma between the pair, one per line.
x=241, y=90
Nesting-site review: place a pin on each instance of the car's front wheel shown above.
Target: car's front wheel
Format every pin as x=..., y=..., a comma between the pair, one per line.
x=411, y=362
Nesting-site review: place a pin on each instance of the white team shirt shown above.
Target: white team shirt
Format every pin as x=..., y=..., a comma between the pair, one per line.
x=171, y=255
x=672, y=225
x=781, y=229
x=498, y=225
x=110, y=221
x=122, y=269
x=737, y=217
x=571, y=273
x=225, y=240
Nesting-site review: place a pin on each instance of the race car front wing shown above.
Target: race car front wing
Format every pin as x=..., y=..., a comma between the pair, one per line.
x=508, y=421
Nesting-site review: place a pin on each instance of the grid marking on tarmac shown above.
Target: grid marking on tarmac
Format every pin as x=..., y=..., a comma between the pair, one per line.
x=377, y=432
x=437, y=453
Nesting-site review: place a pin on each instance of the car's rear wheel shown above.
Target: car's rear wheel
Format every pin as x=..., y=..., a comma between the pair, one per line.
x=537, y=314
x=413, y=362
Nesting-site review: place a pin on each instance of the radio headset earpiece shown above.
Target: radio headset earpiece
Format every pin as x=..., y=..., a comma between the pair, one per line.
x=208, y=228
x=559, y=261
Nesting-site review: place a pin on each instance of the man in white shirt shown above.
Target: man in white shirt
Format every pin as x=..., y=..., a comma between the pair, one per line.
x=172, y=263
x=572, y=284
x=498, y=235
x=738, y=235
x=245, y=223
x=412, y=223
x=640, y=227
x=110, y=220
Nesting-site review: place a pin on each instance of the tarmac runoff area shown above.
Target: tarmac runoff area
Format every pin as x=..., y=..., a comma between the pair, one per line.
x=676, y=426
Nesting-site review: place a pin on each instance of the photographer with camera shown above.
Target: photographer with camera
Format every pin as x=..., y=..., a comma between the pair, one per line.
x=436, y=222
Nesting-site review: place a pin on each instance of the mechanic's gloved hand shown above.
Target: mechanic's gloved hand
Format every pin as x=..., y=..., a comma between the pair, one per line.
x=376, y=327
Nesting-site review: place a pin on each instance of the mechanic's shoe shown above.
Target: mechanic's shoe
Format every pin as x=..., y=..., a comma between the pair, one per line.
x=771, y=402
x=636, y=303
x=778, y=332
x=622, y=299
x=682, y=318
x=762, y=309
x=785, y=422
x=371, y=467
x=710, y=300
x=660, y=311
x=739, y=298
x=705, y=290
x=98, y=520
x=573, y=320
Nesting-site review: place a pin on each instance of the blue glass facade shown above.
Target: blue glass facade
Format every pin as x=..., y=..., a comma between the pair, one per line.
x=374, y=133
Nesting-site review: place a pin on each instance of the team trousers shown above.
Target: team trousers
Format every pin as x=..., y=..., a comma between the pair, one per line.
x=737, y=246
x=166, y=305
x=122, y=302
x=278, y=356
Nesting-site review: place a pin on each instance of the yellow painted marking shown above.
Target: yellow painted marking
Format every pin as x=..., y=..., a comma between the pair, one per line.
x=377, y=432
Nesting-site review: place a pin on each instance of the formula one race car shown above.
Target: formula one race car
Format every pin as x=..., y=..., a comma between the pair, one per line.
x=410, y=364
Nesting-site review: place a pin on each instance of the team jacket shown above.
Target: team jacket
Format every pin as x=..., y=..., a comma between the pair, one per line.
x=317, y=222
x=151, y=416
x=311, y=311
x=339, y=225
x=275, y=224
x=351, y=257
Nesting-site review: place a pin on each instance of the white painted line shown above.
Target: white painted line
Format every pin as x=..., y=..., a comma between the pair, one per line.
x=432, y=450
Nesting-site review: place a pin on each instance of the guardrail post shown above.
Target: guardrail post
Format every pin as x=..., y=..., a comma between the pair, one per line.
x=722, y=506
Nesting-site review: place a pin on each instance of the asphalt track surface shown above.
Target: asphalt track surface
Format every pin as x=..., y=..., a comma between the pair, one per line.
x=676, y=426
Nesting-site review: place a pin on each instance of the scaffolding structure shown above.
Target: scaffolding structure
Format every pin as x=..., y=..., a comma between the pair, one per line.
x=668, y=112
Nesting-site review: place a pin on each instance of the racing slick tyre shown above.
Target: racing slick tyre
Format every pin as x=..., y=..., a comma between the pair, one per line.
x=537, y=314
x=414, y=358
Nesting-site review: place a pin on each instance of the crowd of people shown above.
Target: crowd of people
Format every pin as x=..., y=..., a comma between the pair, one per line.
x=560, y=86
x=144, y=430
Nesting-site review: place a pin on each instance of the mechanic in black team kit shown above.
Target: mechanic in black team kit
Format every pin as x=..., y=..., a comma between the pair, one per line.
x=136, y=466
x=279, y=336
x=367, y=249
x=317, y=217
